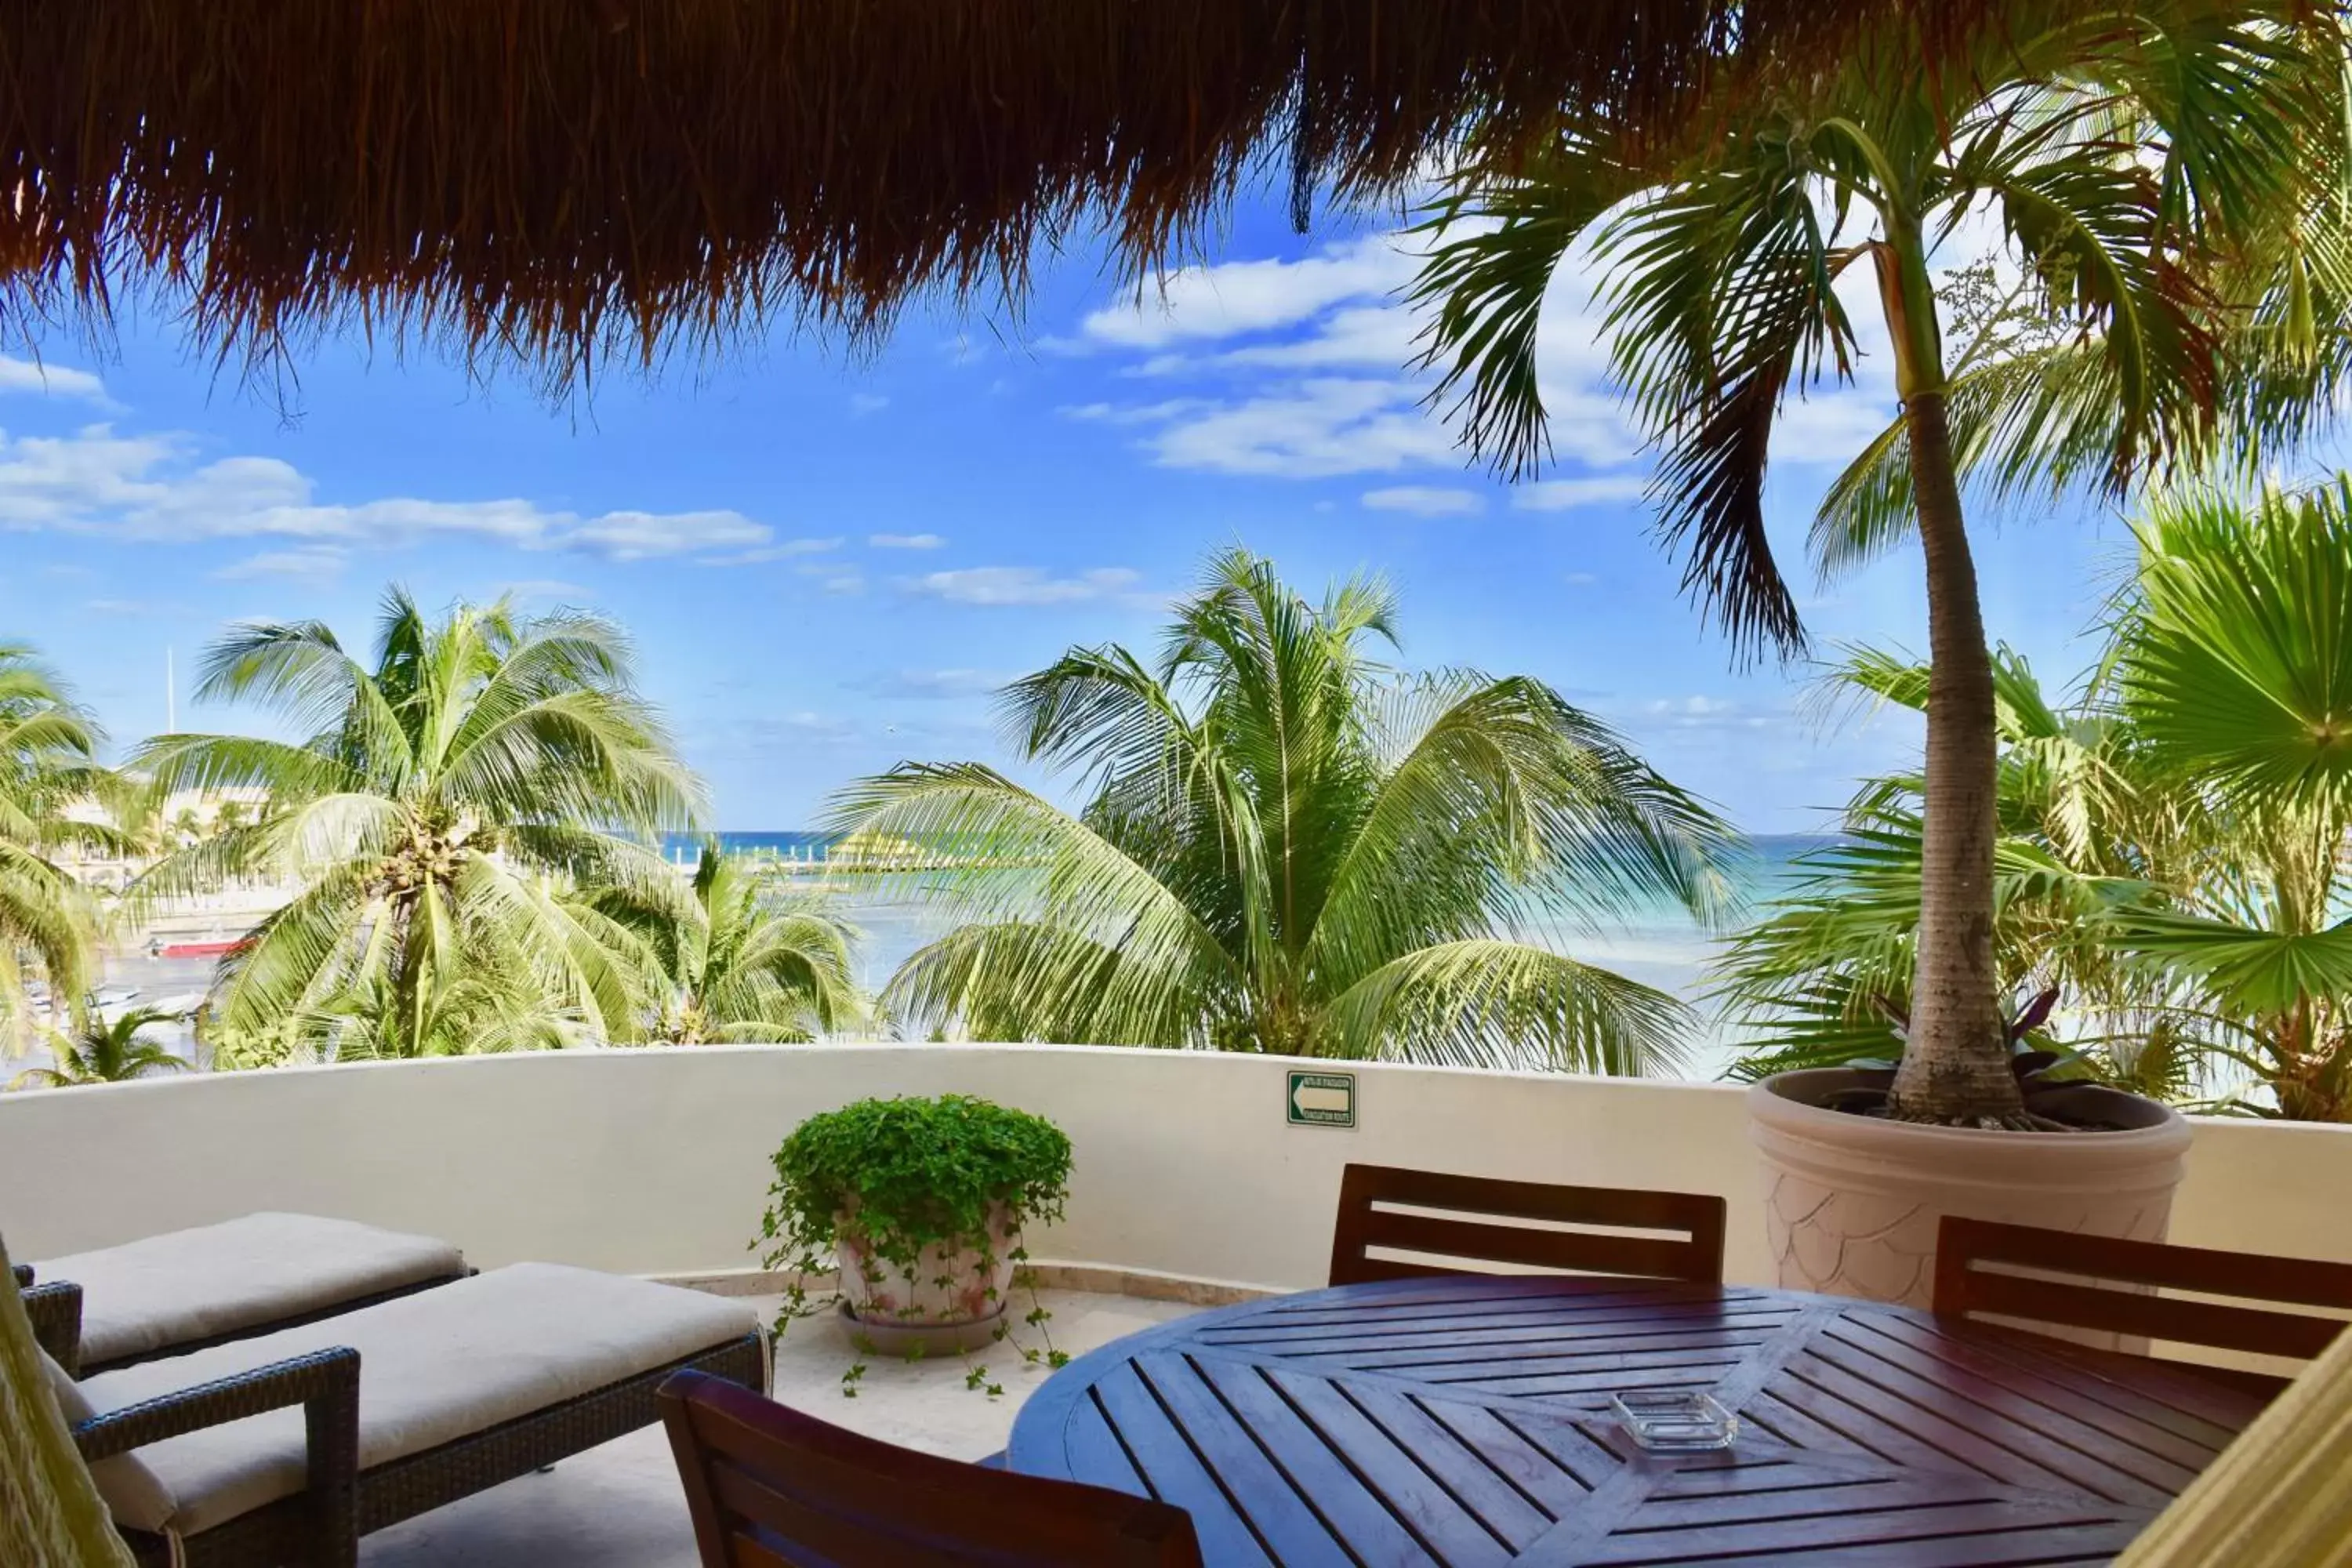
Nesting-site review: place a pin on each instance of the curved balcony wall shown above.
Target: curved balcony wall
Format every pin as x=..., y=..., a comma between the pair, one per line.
x=655, y=1162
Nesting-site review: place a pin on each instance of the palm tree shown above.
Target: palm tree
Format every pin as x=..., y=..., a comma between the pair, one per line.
x=48, y=749
x=2162, y=180
x=1824, y=977
x=1287, y=848
x=98, y=1052
x=449, y=798
x=734, y=966
x=2173, y=844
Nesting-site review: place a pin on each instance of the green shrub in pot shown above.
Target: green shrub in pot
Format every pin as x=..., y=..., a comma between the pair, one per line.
x=920, y=1206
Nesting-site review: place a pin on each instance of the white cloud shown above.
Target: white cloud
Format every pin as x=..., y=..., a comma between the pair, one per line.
x=55, y=380
x=1426, y=500
x=1835, y=425
x=938, y=683
x=148, y=487
x=845, y=582
x=905, y=541
x=863, y=403
x=1581, y=579
x=309, y=562
x=1306, y=369
x=1594, y=489
x=643, y=535
x=1312, y=430
x=1022, y=585
x=1235, y=298
x=1138, y=413
x=1312, y=365
x=1707, y=714
x=784, y=551
x=551, y=589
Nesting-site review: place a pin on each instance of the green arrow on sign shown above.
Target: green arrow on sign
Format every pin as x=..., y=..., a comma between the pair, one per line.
x=1321, y=1099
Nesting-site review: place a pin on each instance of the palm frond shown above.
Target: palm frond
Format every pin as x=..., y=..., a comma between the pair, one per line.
x=1485, y=1003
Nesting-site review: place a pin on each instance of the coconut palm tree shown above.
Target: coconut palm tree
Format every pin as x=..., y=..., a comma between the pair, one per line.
x=98, y=1052
x=48, y=749
x=2162, y=177
x=1288, y=848
x=2173, y=843
x=449, y=798
x=734, y=965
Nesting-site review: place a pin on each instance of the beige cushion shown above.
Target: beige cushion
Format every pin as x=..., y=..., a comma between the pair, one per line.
x=189, y=1285
x=131, y=1490
x=433, y=1367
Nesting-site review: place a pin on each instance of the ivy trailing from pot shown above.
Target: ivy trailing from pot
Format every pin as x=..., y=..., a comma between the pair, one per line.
x=918, y=1208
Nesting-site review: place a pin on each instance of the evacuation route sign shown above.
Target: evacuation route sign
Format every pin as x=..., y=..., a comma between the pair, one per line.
x=1321, y=1099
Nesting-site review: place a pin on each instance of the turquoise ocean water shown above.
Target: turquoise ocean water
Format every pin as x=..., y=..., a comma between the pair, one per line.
x=1662, y=948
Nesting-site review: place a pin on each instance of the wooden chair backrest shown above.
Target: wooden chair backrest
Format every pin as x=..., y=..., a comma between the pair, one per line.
x=770, y=1485
x=1964, y=1289
x=1695, y=1254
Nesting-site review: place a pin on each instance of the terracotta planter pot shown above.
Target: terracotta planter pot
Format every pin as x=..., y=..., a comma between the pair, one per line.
x=1851, y=1203
x=903, y=1304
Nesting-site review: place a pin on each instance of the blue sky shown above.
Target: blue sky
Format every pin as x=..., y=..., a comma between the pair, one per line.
x=828, y=561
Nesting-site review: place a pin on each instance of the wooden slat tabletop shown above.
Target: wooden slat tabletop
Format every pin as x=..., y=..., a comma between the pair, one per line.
x=1465, y=1421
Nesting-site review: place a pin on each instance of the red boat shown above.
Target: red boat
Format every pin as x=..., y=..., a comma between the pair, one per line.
x=198, y=949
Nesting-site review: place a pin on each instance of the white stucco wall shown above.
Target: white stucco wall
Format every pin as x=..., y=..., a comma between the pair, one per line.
x=654, y=1162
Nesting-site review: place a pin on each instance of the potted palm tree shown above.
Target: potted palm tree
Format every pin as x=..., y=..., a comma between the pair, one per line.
x=2152, y=175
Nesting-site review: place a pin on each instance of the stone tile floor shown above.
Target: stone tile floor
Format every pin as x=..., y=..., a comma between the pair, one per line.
x=619, y=1506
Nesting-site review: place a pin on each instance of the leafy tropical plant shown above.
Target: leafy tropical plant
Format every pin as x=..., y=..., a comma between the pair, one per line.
x=2173, y=842
x=902, y=1188
x=286, y=1043
x=731, y=962
x=2166, y=182
x=447, y=802
x=97, y=1051
x=1288, y=848
x=2233, y=659
x=49, y=751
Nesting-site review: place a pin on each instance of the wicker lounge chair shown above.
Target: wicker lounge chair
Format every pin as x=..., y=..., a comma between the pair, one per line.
x=186, y=1289
x=388, y=1412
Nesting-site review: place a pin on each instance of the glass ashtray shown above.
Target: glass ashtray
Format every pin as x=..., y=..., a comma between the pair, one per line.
x=1676, y=1421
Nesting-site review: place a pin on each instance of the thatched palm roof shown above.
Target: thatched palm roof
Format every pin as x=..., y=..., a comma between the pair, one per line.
x=562, y=177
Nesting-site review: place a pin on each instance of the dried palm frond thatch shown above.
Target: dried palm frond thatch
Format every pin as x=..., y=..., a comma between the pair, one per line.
x=568, y=179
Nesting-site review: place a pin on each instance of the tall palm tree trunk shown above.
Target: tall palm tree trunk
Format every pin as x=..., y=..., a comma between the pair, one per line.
x=1953, y=1067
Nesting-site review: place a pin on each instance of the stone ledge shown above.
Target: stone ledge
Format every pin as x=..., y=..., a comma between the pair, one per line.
x=1144, y=1284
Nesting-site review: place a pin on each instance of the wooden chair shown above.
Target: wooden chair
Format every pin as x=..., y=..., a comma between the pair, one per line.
x=1697, y=1254
x=771, y=1486
x=1965, y=1288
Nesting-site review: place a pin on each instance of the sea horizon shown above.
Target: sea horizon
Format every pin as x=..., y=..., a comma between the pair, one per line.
x=1662, y=948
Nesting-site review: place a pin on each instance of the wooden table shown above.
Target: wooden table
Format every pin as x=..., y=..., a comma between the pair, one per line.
x=1465, y=1421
